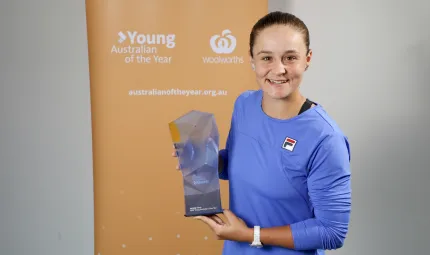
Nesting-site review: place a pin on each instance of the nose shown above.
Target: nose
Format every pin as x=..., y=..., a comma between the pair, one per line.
x=279, y=68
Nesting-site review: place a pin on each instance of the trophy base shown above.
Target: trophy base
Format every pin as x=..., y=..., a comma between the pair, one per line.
x=203, y=204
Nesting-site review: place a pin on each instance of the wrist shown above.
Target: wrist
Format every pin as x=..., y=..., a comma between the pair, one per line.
x=247, y=235
x=256, y=241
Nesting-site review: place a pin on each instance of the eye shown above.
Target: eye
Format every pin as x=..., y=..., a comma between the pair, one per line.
x=290, y=58
x=266, y=58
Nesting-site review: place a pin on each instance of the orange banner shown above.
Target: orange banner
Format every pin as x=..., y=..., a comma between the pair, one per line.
x=150, y=62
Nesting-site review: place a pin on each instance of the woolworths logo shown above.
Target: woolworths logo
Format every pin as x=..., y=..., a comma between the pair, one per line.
x=223, y=45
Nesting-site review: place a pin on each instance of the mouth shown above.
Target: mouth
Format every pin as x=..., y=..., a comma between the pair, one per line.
x=278, y=82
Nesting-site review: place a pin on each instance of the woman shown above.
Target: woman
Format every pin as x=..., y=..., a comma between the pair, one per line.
x=287, y=162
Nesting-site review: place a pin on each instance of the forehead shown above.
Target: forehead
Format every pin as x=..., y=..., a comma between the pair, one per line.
x=279, y=38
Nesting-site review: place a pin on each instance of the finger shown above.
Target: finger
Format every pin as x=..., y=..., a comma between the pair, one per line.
x=217, y=219
x=229, y=215
x=227, y=212
x=210, y=222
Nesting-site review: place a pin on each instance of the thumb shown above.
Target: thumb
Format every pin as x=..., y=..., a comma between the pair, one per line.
x=229, y=215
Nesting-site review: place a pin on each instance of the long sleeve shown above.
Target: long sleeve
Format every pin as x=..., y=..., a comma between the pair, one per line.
x=224, y=153
x=329, y=189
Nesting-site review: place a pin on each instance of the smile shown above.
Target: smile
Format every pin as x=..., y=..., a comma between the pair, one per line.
x=277, y=81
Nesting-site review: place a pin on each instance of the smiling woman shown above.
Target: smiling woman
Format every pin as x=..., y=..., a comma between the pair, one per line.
x=280, y=54
x=286, y=160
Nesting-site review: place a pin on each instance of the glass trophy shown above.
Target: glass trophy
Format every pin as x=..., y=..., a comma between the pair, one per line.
x=196, y=140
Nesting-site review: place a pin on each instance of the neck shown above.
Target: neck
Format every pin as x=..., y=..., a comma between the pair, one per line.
x=284, y=108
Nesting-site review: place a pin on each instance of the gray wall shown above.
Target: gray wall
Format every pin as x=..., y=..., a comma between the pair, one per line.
x=371, y=71
x=371, y=74
x=46, y=195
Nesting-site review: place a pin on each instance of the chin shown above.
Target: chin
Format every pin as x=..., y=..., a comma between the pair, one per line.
x=278, y=91
x=277, y=95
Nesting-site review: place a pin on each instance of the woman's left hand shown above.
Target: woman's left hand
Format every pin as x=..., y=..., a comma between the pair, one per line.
x=232, y=228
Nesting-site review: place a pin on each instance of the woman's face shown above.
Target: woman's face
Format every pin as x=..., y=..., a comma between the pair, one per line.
x=280, y=60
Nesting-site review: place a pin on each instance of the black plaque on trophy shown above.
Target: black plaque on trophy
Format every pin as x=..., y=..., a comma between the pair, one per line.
x=196, y=139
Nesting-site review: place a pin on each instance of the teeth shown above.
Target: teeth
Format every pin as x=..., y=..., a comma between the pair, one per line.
x=278, y=82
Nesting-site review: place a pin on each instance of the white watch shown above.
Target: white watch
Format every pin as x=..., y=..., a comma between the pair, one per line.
x=257, y=243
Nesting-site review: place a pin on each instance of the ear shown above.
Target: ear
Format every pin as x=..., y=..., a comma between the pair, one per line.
x=251, y=59
x=309, y=57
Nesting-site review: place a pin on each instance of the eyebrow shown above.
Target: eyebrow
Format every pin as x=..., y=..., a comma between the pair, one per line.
x=268, y=52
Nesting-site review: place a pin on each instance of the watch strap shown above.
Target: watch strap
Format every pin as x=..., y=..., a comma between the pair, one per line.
x=257, y=243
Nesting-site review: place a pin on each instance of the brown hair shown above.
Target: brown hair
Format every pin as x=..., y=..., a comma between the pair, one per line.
x=279, y=18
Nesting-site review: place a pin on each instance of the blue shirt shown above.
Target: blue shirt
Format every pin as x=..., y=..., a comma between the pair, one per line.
x=287, y=172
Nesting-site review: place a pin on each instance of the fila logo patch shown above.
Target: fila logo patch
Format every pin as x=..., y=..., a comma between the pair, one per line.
x=289, y=144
